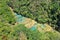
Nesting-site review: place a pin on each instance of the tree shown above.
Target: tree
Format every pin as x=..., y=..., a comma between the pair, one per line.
x=43, y=11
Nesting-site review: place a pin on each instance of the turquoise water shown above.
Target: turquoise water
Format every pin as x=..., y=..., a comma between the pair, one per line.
x=21, y=19
x=34, y=27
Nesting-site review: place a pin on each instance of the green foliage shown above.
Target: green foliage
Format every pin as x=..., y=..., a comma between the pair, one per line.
x=29, y=9
x=8, y=32
x=5, y=13
x=36, y=35
x=43, y=11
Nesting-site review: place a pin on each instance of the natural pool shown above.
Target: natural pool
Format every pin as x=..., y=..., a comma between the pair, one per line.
x=21, y=19
x=34, y=27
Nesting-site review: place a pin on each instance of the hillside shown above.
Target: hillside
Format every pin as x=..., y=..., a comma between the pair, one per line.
x=42, y=11
x=15, y=26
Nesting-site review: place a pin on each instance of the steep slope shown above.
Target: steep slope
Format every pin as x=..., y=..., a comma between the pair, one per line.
x=29, y=23
x=42, y=11
x=17, y=27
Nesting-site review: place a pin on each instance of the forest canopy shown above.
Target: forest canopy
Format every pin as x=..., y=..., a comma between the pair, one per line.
x=42, y=11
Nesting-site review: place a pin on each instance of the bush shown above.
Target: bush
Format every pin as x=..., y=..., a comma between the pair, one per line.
x=42, y=11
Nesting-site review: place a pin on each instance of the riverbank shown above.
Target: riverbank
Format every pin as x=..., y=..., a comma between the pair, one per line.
x=29, y=23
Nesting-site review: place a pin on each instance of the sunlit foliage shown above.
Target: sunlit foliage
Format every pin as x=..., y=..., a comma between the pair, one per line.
x=43, y=11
